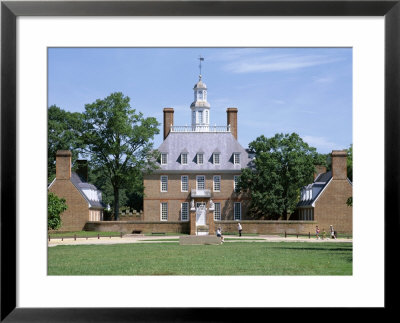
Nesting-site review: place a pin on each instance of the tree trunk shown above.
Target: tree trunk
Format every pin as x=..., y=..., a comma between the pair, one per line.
x=116, y=204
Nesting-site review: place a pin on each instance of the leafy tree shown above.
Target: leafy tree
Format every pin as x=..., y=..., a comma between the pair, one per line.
x=64, y=133
x=119, y=141
x=350, y=162
x=55, y=206
x=282, y=165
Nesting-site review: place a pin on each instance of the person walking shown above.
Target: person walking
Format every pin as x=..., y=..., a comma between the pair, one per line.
x=219, y=234
x=333, y=232
x=240, y=229
x=317, y=232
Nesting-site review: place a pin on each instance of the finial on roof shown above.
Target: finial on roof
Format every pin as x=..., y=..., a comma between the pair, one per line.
x=200, y=59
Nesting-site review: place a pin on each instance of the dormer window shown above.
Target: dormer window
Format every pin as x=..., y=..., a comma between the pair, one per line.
x=216, y=158
x=236, y=158
x=184, y=158
x=200, y=158
x=164, y=158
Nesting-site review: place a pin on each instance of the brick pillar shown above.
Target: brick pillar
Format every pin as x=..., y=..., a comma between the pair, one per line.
x=210, y=222
x=231, y=114
x=63, y=164
x=192, y=222
x=339, y=164
x=82, y=169
x=168, y=120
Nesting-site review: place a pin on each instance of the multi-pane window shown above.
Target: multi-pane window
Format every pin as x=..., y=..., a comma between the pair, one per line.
x=164, y=211
x=193, y=117
x=184, y=158
x=235, y=182
x=217, y=211
x=201, y=182
x=185, y=211
x=216, y=158
x=164, y=159
x=236, y=158
x=237, y=211
x=164, y=183
x=200, y=117
x=217, y=183
x=184, y=183
x=200, y=158
x=206, y=116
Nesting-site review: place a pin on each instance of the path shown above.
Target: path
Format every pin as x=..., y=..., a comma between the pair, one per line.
x=150, y=239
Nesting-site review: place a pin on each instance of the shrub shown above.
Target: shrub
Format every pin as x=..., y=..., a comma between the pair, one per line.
x=55, y=206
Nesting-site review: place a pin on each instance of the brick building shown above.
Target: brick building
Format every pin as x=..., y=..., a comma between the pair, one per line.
x=198, y=170
x=324, y=201
x=83, y=199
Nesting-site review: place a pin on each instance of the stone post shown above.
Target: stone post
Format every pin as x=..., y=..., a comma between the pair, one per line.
x=192, y=222
x=210, y=222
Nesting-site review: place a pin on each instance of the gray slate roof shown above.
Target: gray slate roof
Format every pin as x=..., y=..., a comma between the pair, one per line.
x=207, y=143
x=94, y=198
x=317, y=186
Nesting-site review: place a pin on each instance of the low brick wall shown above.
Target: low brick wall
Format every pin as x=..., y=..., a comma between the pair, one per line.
x=136, y=226
x=268, y=227
x=249, y=226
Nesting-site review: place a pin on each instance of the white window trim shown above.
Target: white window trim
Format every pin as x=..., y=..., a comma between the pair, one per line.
x=166, y=158
x=197, y=182
x=215, y=209
x=235, y=179
x=214, y=190
x=161, y=183
x=187, y=181
x=234, y=159
x=234, y=211
x=161, y=211
x=182, y=158
x=187, y=210
x=219, y=159
x=202, y=157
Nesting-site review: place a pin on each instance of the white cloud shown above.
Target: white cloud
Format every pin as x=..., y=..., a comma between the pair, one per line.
x=321, y=143
x=274, y=63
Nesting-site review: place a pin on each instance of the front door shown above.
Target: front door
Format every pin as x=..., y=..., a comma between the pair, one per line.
x=200, y=213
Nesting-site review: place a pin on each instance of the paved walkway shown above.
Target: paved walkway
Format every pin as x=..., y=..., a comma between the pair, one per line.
x=156, y=239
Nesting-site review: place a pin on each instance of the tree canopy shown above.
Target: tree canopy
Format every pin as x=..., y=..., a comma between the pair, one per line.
x=281, y=166
x=64, y=133
x=119, y=142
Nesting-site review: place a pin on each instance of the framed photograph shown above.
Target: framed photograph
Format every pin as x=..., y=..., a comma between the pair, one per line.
x=29, y=28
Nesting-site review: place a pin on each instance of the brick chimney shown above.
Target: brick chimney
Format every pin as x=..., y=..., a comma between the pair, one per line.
x=231, y=114
x=339, y=164
x=319, y=169
x=168, y=120
x=63, y=164
x=82, y=169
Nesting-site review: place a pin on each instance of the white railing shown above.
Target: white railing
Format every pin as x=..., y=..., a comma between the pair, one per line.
x=200, y=193
x=201, y=128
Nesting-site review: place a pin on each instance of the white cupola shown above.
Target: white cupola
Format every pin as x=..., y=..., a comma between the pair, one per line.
x=200, y=107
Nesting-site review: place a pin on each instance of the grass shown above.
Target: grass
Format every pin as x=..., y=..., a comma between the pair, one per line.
x=236, y=258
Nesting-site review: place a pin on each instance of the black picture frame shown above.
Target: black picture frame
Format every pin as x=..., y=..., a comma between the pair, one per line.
x=10, y=10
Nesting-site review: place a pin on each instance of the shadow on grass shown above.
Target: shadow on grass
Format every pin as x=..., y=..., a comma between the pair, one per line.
x=311, y=249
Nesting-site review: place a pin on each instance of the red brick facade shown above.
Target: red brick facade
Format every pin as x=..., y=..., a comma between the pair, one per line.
x=174, y=197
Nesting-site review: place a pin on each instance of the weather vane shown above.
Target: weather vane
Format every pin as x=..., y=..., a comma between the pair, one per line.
x=200, y=59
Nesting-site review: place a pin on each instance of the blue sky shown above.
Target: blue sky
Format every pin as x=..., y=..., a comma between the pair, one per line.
x=302, y=90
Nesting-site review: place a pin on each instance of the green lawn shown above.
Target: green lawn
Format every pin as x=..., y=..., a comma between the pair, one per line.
x=232, y=258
